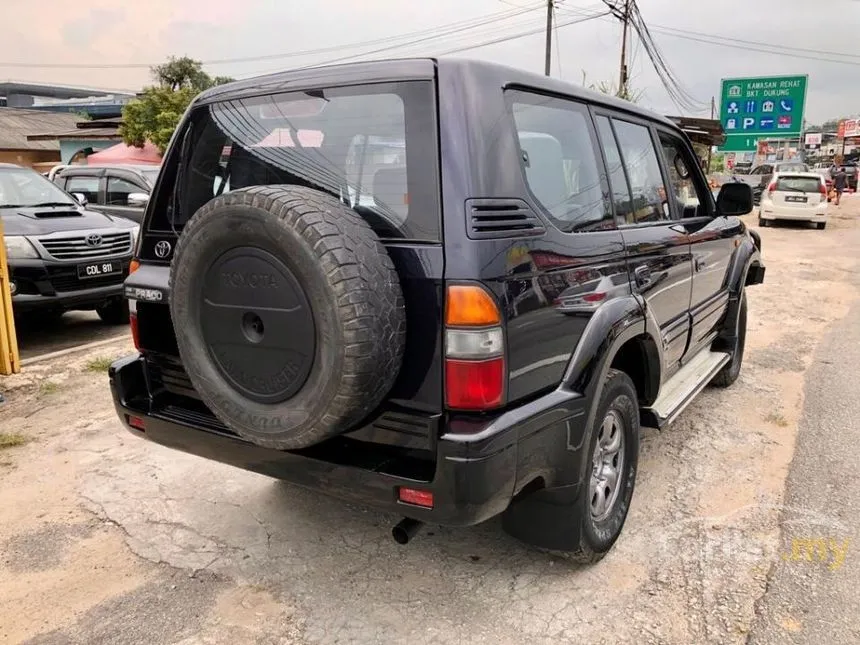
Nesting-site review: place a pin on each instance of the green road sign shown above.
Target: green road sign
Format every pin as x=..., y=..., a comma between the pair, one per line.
x=761, y=108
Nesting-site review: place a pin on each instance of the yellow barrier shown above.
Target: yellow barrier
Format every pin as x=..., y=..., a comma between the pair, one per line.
x=10, y=362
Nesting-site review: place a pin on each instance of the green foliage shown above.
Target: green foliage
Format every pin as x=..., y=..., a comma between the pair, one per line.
x=154, y=115
x=100, y=364
x=12, y=439
x=611, y=88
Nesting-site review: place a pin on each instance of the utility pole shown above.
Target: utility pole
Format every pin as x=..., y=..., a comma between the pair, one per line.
x=713, y=111
x=622, y=76
x=548, y=60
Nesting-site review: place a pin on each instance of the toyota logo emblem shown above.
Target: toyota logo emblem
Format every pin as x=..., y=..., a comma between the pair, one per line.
x=93, y=239
x=162, y=249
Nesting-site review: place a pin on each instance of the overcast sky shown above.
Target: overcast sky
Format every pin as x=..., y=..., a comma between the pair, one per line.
x=147, y=31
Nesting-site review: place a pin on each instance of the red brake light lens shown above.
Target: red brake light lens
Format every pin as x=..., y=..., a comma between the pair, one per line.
x=414, y=496
x=772, y=187
x=132, y=323
x=474, y=385
x=822, y=189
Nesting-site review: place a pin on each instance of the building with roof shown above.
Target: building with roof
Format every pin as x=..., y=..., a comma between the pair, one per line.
x=83, y=138
x=16, y=126
x=92, y=101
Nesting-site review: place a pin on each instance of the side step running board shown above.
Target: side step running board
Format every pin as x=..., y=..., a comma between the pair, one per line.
x=677, y=393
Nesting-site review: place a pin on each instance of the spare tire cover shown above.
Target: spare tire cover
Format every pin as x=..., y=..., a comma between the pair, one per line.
x=288, y=314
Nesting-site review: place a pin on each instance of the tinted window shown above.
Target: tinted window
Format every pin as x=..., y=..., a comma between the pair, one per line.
x=798, y=184
x=118, y=191
x=373, y=147
x=643, y=171
x=559, y=159
x=690, y=197
x=87, y=186
x=617, y=179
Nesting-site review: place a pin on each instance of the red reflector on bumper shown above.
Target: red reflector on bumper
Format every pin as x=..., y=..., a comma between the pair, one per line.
x=136, y=422
x=414, y=496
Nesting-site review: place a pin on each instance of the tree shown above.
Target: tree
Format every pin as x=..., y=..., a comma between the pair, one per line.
x=155, y=113
x=611, y=88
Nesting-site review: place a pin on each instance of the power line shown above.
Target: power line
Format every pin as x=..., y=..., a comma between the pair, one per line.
x=424, y=34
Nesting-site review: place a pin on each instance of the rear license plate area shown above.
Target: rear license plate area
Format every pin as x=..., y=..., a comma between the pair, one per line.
x=98, y=269
x=797, y=199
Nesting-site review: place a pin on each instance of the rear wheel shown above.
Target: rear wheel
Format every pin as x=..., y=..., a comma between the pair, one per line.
x=729, y=374
x=763, y=222
x=820, y=225
x=114, y=312
x=614, y=450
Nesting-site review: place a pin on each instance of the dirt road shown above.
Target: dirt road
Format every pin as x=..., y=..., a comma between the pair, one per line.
x=108, y=539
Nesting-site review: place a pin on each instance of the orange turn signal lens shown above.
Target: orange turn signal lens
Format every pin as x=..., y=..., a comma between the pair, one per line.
x=133, y=266
x=470, y=305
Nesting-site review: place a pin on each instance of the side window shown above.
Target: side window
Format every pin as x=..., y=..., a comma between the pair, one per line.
x=617, y=180
x=690, y=196
x=560, y=161
x=87, y=186
x=650, y=203
x=118, y=191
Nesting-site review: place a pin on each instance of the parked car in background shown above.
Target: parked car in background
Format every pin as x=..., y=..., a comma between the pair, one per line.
x=760, y=177
x=795, y=196
x=61, y=255
x=120, y=190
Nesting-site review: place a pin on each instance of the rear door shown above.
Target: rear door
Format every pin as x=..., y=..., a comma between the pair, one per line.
x=797, y=193
x=658, y=247
x=712, y=238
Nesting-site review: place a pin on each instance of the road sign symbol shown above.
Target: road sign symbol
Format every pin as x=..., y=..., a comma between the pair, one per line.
x=750, y=107
x=748, y=122
x=783, y=122
x=786, y=105
x=732, y=107
x=734, y=90
x=767, y=106
x=766, y=123
x=731, y=124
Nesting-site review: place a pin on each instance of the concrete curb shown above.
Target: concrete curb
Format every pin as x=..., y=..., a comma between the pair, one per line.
x=72, y=350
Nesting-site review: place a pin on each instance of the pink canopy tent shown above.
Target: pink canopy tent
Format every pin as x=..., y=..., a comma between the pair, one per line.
x=123, y=154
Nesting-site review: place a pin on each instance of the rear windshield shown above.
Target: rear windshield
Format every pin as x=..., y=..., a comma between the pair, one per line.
x=372, y=146
x=798, y=184
x=792, y=167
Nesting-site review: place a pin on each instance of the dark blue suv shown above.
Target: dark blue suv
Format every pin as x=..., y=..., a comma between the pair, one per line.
x=447, y=289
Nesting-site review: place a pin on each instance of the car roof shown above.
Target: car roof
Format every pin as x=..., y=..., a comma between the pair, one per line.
x=813, y=175
x=415, y=69
x=113, y=166
x=10, y=165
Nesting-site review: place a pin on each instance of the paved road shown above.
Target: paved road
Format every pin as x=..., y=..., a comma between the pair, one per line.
x=812, y=596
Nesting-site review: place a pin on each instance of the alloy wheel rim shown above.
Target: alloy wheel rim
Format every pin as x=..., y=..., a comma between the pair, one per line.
x=607, y=466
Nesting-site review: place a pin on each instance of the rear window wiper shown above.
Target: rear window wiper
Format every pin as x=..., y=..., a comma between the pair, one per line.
x=791, y=188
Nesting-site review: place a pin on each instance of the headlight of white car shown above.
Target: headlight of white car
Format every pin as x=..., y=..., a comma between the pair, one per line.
x=18, y=247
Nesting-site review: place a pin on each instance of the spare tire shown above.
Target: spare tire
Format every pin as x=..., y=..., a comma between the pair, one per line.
x=288, y=314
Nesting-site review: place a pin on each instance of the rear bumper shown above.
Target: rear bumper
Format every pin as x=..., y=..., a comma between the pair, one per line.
x=804, y=215
x=474, y=477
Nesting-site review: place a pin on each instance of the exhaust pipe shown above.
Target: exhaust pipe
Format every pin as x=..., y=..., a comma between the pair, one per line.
x=405, y=530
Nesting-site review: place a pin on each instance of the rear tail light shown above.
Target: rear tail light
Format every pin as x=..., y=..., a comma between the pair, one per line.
x=133, y=266
x=822, y=189
x=771, y=188
x=475, y=372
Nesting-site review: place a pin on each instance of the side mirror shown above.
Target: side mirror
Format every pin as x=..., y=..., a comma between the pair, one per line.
x=82, y=199
x=735, y=199
x=137, y=199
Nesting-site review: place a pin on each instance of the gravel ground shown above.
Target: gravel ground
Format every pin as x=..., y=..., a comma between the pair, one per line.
x=108, y=539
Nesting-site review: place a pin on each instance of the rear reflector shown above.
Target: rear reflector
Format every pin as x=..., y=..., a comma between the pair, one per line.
x=414, y=496
x=136, y=422
x=474, y=385
x=132, y=323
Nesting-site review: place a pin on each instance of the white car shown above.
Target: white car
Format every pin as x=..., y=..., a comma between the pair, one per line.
x=800, y=196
